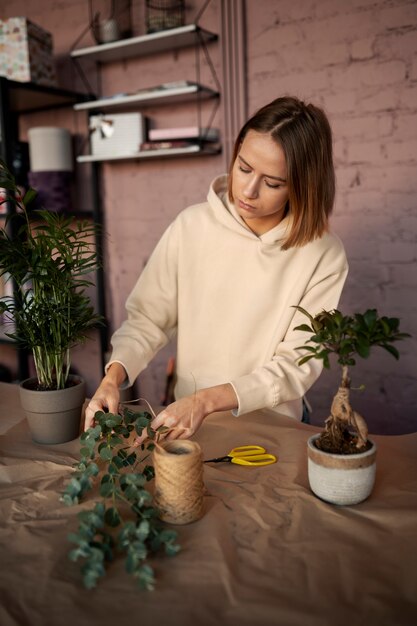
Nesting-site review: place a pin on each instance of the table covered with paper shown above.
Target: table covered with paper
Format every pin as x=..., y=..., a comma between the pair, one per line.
x=266, y=551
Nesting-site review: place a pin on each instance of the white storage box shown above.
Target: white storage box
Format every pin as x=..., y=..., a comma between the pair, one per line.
x=118, y=134
x=26, y=52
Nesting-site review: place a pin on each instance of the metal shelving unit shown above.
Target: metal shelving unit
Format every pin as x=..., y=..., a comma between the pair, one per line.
x=17, y=99
x=145, y=45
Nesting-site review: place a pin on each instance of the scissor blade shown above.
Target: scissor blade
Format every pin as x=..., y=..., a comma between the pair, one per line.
x=220, y=459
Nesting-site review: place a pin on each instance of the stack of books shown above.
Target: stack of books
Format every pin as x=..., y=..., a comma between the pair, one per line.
x=166, y=138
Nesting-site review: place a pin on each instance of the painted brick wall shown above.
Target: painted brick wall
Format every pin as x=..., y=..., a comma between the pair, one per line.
x=358, y=60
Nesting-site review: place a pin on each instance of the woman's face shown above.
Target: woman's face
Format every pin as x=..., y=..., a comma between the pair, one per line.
x=259, y=186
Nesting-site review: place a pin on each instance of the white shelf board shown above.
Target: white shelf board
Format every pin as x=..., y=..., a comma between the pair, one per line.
x=151, y=154
x=157, y=96
x=142, y=45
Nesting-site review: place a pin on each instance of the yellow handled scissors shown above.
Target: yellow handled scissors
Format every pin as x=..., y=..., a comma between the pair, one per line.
x=254, y=456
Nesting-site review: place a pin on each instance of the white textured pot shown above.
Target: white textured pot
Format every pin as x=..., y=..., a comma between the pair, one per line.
x=341, y=479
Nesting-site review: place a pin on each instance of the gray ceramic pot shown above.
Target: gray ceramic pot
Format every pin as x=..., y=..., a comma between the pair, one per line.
x=53, y=416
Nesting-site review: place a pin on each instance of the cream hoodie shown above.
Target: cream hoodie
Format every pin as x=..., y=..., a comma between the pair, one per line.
x=228, y=295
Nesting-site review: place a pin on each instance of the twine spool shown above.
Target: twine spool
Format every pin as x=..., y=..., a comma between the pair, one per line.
x=179, y=486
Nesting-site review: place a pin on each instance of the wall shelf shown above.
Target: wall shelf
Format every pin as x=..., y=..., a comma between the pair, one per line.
x=30, y=97
x=152, y=154
x=157, y=96
x=142, y=45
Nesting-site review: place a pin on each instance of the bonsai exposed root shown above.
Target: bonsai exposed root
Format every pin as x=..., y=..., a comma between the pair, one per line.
x=338, y=437
x=342, y=416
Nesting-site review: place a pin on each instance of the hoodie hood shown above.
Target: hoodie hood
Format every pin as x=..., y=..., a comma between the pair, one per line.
x=227, y=214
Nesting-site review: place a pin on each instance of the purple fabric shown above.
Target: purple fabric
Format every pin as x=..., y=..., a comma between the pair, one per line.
x=54, y=190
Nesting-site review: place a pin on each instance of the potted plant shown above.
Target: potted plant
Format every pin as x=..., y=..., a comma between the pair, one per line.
x=341, y=459
x=124, y=519
x=48, y=257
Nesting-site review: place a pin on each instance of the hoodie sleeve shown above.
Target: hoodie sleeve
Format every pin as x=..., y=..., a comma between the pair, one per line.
x=151, y=310
x=282, y=380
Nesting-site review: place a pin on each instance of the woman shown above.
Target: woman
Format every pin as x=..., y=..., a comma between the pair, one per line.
x=227, y=273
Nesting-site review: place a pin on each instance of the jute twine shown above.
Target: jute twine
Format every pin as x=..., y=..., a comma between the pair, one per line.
x=179, y=486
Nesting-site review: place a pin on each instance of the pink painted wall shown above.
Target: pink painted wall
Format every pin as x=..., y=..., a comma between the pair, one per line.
x=359, y=61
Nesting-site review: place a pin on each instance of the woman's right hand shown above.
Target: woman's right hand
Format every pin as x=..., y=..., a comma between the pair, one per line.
x=107, y=396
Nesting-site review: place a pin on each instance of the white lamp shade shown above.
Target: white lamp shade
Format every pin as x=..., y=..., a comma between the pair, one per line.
x=50, y=149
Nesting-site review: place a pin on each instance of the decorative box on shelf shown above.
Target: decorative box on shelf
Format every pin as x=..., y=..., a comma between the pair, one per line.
x=26, y=52
x=191, y=133
x=117, y=134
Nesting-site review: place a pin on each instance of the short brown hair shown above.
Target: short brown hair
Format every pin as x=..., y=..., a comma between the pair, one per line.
x=303, y=131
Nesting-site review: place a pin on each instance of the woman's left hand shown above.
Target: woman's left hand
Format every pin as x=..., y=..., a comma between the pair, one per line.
x=184, y=417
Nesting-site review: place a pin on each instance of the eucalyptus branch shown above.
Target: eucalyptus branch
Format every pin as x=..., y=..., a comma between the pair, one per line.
x=121, y=473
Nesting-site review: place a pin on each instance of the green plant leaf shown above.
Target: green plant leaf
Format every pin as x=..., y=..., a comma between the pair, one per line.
x=92, y=469
x=112, y=517
x=114, y=468
x=106, y=453
x=370, y=317
x=114, y=441
x=306, y=313
x=391, y=350
x=149, y=472
x=145, y=577
x=304, y=327
x=107, y=489
x=112, y=420
x=143, y=529
x=141, y=422
x=305, y=359
x=131, y=459
x=133, y=479
x=363, y=348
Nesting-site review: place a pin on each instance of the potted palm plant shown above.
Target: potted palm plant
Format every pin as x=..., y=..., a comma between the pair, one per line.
x=341, y=459
x=48, y=257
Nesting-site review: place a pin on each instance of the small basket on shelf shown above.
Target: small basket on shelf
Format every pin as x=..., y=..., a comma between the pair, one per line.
x=110, y=20
x=164, y=14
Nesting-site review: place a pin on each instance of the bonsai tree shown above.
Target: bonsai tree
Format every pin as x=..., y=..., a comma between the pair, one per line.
x=347, y=337
x=48, y=257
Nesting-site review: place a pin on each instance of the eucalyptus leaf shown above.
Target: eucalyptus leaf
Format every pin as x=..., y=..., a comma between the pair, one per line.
x=107, y=490
x=106, y=453
x=112, y=517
